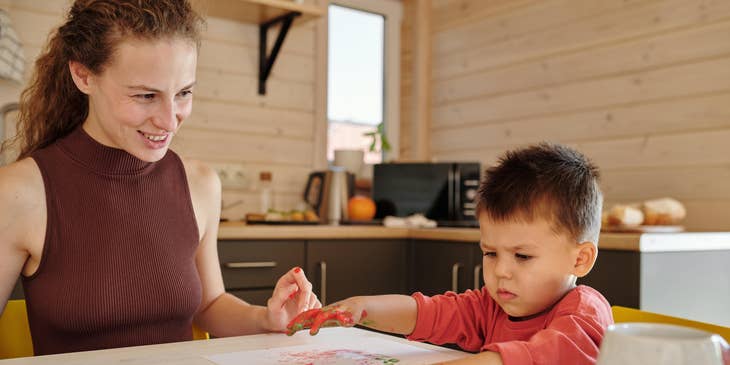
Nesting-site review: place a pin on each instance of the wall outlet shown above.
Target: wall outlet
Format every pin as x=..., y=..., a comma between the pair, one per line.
x=233, y=176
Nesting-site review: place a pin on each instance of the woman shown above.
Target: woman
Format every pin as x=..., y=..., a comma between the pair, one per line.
x=114, y=234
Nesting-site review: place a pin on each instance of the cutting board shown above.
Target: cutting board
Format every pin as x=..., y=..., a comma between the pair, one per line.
x=642, y=229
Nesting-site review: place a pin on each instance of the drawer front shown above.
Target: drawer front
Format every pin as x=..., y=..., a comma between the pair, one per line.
x=253, y=296
x=258, y=264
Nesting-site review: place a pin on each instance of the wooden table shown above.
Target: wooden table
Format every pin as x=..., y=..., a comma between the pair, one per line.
x=193, y=352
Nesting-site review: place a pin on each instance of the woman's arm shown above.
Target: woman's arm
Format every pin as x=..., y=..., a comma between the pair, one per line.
x=223, y=314
x=22, y=223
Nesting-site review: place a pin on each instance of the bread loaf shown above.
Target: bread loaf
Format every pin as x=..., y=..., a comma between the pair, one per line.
x=625, y=215
x=665, y=211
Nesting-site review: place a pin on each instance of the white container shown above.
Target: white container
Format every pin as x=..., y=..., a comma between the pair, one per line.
x=351, y=160
x=655, y=343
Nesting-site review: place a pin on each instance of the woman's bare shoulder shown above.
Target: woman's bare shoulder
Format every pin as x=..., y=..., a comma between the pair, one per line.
x=22, y=203
x=21, y=183
x=205, y=194
x=201, y=177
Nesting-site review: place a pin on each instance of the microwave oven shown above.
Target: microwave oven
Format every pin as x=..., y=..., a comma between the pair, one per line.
x=444, y=192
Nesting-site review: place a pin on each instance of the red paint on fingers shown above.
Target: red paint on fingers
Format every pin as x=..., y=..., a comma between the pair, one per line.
x=297, y=270
x=334, y=317
x=302, y=321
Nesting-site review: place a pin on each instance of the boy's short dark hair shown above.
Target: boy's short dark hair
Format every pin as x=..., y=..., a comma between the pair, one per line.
x=548, y=181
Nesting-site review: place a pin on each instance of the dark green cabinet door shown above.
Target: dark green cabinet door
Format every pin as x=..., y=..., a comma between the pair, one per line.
x=440, y=266
x=339, y=269
x=478, y=270
x=251, y=268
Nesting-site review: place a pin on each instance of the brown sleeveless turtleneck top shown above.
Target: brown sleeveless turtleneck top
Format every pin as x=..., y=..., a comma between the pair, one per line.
x=118, y=266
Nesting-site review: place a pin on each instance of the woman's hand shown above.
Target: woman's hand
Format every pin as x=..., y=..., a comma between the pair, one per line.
x=292, y=295
x=346, y=313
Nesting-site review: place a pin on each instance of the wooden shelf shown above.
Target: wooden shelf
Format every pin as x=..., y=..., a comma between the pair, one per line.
x=256, y=11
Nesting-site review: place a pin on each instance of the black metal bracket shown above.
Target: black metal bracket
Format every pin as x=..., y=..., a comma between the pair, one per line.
x=266, y=62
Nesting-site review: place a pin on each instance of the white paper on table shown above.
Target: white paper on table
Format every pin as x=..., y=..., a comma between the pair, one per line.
x=367, y=351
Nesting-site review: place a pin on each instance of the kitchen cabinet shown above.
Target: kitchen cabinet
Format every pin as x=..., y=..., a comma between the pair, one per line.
x=339, y=269
x=440, y=266
x=251, y=268
x=687, y=284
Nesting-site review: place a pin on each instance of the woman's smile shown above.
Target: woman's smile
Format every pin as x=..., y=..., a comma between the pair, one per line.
x=155, y=141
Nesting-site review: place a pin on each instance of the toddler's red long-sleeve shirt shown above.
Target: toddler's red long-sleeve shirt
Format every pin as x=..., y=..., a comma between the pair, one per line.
x=569, y=333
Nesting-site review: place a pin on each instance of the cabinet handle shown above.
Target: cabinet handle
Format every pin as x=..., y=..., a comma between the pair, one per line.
x=323, y=282
x=455, y=277
x=249, y=265
x=477, y=271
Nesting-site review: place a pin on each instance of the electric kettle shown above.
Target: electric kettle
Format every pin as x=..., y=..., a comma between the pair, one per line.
x=328, y=192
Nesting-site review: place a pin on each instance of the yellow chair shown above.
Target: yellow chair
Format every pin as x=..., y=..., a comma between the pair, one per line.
x=15, y=340
x=623, y=314
x=199, y=334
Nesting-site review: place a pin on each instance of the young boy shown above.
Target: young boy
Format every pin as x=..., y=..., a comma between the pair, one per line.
x=539, y=217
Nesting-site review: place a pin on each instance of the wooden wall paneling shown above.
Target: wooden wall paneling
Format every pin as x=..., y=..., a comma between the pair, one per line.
x=421, y=86
x=211, y=145
x=706, y=215
x=9, y=92
x=213, y=85
x=509, y=20
x=242, y=60
x=712, y=75
x=697, y=182
x=289, y=179
x=32, y=27
x=253, y=120
x=406, y=116
x=634, y=55
x=321, y=120
x=611, y=26
x=684, y=149
x=57, y=7
x=454, y=13
x=406, y=79
x=300, y=39
x=684, y=114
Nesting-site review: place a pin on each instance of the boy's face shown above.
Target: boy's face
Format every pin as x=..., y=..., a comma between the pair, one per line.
x=527, y=266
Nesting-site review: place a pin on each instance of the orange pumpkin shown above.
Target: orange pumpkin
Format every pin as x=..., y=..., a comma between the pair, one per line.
x=361, y=208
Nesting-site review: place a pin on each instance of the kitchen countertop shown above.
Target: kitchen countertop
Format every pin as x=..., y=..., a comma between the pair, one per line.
x=194, y=352
x=641, y=242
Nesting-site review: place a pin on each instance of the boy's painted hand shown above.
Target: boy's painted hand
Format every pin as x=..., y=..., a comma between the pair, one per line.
x=333, y=315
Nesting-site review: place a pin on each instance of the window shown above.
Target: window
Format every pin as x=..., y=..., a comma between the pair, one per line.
x=363, y=76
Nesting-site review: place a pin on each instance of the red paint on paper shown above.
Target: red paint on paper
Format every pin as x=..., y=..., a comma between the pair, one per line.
x=339, y=356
